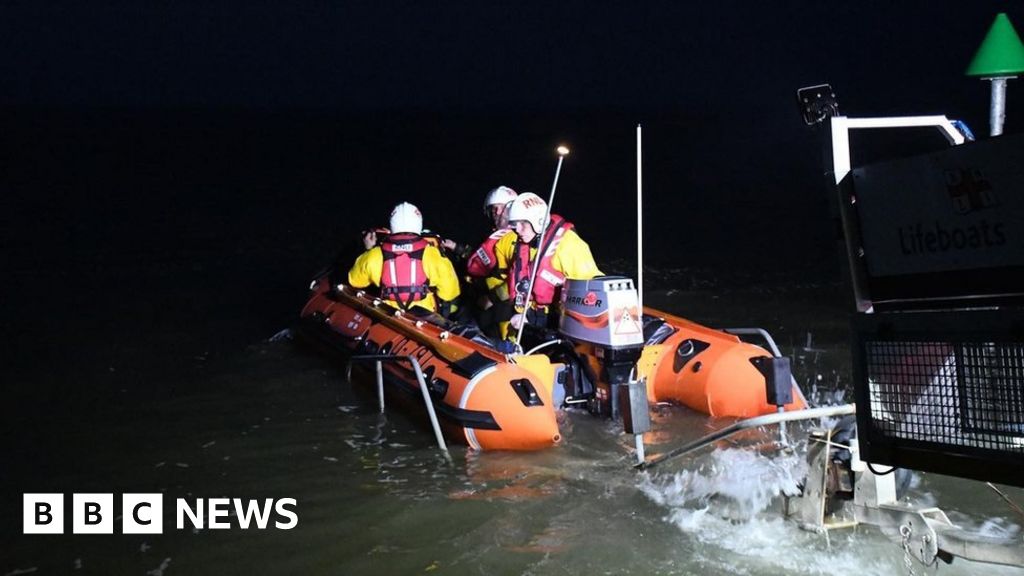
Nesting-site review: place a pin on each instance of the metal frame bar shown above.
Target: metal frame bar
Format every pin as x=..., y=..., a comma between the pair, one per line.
x=776, y=418
x=380, y=359
x=841, y=126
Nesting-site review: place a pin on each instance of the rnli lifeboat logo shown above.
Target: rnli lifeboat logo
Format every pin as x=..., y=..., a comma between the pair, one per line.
x=969, y=191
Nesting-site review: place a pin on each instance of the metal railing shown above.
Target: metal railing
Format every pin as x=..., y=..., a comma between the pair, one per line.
x=776, y=418
x=379, y=359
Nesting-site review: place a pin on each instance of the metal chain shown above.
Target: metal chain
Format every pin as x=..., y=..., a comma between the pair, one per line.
x=908, y=559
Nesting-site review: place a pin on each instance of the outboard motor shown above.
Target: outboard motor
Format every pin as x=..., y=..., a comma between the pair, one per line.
x=602, y=317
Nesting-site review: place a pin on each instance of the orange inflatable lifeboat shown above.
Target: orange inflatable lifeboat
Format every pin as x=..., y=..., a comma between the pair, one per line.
x=682, y=362
x=481, y=399
x=491, y=401
x=708, y=370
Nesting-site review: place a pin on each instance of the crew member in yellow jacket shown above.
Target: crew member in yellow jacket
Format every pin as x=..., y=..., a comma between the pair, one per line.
x=410, y=271
x=563, y=255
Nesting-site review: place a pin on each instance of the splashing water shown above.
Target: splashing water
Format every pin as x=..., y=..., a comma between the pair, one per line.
x=732, y=502
x=734, y=484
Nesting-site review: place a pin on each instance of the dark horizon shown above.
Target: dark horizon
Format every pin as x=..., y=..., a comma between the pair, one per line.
x=268, y=137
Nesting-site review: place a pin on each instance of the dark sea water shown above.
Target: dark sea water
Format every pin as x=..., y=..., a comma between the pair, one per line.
x=152, y=257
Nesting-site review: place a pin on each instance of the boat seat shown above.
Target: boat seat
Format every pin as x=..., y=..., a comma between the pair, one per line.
x=656, y=330
x=472, y=332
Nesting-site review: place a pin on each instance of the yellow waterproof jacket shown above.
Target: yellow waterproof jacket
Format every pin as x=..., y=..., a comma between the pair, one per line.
x=440, y=273
x=572, y=256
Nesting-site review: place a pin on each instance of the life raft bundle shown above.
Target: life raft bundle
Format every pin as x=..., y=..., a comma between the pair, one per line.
x=492, y=401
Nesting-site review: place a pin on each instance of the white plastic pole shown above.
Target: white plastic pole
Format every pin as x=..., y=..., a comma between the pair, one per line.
x=380, y=385
x=639, y=226
x=562, y=152
x=638, y=439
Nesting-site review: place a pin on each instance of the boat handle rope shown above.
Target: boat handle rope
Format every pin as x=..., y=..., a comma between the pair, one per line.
x=380, y=359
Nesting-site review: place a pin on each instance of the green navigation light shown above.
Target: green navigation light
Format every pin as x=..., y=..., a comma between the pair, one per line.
x=1001, y=53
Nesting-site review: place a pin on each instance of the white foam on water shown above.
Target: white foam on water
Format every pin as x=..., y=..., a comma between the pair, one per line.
x=731, y=506
x=738, y=483
x=282, y=336
x=995, y=528
x=159, y=570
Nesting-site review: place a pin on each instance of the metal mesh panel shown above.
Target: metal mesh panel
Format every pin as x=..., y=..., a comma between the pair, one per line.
x=968, y=394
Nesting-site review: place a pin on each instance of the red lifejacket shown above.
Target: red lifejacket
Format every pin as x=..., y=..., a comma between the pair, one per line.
x=548, y=279
x=402, y=277
x=481, y=263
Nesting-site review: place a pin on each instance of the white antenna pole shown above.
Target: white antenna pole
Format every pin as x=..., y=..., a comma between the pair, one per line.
x=639, y=225
x=562, y=152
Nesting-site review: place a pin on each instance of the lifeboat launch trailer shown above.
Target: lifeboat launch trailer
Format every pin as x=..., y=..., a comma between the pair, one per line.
x=935, y=247
x=938, y=324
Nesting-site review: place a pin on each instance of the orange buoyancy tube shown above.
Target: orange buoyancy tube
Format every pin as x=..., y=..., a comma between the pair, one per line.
x=480, y=398
x=707, y=370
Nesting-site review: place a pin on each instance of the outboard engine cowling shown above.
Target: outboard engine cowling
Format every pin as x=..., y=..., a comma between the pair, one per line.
x=603, y=315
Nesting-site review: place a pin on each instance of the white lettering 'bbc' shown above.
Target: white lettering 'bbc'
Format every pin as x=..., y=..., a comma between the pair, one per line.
x=43, y=514
x=92, y=513
x=142, y=513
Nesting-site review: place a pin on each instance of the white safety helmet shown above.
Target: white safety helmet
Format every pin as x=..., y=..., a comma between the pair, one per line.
x=529, y=207
x=500, y=195
x=406, y=218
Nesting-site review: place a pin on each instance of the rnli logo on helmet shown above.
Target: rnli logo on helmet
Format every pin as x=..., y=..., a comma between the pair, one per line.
x=530, y=202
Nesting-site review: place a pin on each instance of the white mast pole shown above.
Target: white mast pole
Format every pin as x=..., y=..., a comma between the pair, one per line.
x=563, y=151
x=639, y=226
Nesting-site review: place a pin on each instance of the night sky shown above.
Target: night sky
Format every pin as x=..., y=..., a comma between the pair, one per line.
x=711, y=58
x=134, y=131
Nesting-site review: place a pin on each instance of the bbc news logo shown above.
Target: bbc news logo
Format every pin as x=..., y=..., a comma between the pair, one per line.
x=144, y=513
